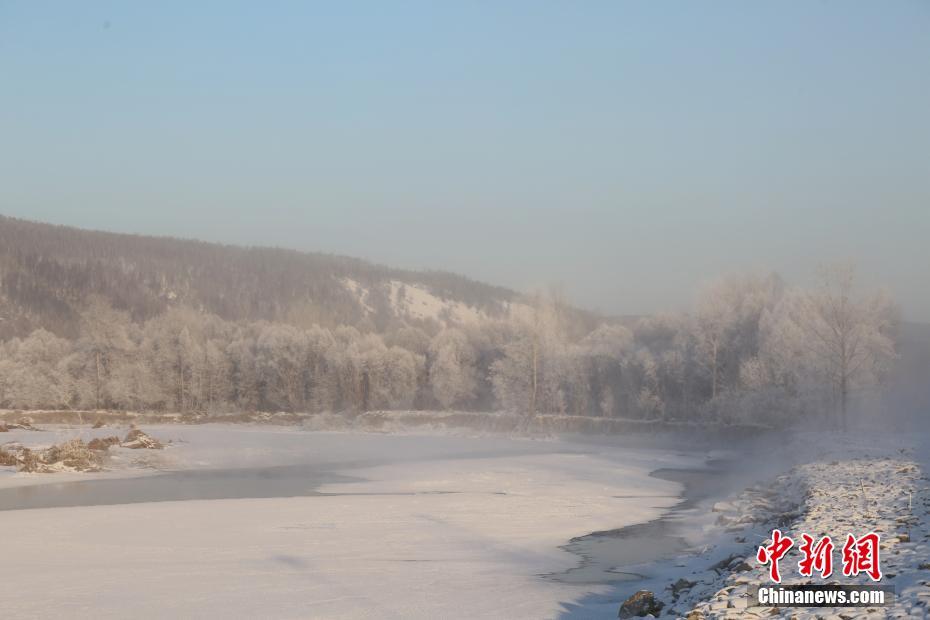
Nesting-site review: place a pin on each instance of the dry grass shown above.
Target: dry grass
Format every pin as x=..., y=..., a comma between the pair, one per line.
x=29, y=461
x=8, y=458
x=103, y=443
x=73, y=454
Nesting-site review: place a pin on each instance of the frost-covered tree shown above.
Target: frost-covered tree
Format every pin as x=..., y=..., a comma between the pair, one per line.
x=247, y=391
x=391, y=376
x=321, y=385
x=526, y=378
x=31, y=372
x=172, y=346
x=282, y=363
x=515, y=375
x=452, y=368
x=607, y=349
x=834, y=334
x=104, y=344
x=750, y=351
x=726, y=324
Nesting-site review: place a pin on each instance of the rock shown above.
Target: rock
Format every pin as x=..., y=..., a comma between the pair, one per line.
x=103, y=443
x=681, y=585
x=641, y=604
x=924, y=566
x=736, y=562
x=136, y=439
x=724, y=563
x=742, y=567
x=739, y=603
x=695, y=615
x=98, y=424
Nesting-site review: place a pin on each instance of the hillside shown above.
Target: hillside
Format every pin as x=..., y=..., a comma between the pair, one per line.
x=94, y=320
x=47, y=273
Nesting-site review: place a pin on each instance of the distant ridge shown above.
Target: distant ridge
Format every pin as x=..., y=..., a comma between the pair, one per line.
x=48, y=271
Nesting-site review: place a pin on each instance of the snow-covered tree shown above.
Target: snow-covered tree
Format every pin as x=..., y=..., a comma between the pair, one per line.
x=452, y=368
x=607, y=349
x=391, y=375
x=282, y=363
x=726, y=324
x=844, y=340
x=103, y=344
x=527, y=376
x=31, y=372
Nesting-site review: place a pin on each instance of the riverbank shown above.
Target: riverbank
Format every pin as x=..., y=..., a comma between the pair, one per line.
x=853, y=485
x=880, y=487
x=496, y=422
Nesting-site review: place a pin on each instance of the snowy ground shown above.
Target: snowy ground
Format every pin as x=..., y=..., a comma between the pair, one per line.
x=431, y=527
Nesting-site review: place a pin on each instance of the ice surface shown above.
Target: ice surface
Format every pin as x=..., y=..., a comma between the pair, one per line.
x=439, y=527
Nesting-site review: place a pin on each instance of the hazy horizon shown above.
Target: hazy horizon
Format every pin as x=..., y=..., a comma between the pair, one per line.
x=625, y=151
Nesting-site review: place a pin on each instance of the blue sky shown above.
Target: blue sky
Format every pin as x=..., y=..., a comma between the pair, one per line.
x=626, y=150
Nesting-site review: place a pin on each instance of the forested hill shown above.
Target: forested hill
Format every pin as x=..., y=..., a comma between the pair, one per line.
x=101, y=320
x=48, y=272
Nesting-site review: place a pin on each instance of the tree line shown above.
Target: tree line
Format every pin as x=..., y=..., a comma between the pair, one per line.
x=753, y=349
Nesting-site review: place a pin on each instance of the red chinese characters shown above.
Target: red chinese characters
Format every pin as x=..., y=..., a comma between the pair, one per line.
x=860, y=555
x=817, y=557
x=774, y=552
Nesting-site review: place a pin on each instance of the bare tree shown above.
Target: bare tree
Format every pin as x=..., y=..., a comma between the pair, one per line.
x=847, y=341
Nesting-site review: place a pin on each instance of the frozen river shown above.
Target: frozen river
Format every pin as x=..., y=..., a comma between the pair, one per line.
x=250, y=521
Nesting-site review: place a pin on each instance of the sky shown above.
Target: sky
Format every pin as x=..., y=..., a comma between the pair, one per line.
x=626, y=151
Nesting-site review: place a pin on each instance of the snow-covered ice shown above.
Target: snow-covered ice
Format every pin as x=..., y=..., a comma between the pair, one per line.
x=435, y=527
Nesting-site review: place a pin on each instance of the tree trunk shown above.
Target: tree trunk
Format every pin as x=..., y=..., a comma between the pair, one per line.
x=532, y=411
x=97, y=380
x=844, y=397
x=180, y=383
